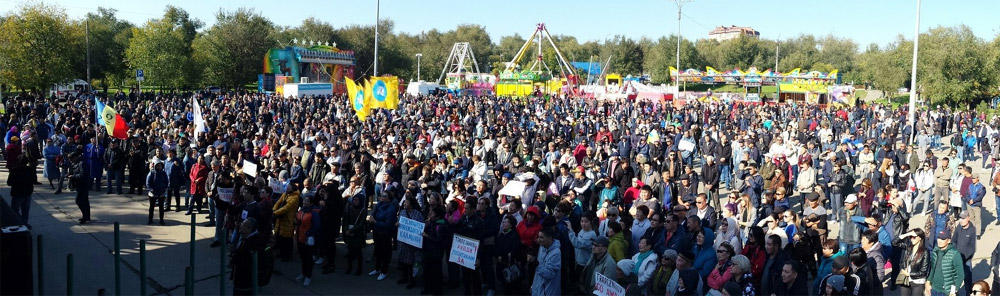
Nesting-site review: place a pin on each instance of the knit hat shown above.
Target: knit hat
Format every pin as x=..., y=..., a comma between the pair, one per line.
x=626, y=266
x=670, y=254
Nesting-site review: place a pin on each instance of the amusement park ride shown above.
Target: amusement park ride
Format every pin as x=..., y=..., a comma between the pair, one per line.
x=460, y=80
x=538, y=77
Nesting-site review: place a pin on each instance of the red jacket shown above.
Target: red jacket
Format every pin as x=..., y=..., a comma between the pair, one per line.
x=199, y=174
x=758, y=258
x=529, y=232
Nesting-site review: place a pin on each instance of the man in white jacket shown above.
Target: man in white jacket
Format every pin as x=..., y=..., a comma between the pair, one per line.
x=924, y=180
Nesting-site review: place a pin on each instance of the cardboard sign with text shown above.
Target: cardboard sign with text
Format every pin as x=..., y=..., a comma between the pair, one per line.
x=463, y=251
x=604, y=286
x=410, y=232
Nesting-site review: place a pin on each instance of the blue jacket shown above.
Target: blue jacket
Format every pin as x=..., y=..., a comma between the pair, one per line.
x=825, y=268
x=704, y=258
x=175, y=173
x=547, y=275
x=976, y=194
x=385, y=216
x=156, y=182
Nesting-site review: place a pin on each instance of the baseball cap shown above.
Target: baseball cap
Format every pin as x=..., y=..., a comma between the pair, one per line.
x=602, y=241
x=812, y=196
x=964, y=214
x=840, y=262
x=944, y=234
x=851, y=198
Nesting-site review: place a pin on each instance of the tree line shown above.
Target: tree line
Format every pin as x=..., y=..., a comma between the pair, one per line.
x=41, y=46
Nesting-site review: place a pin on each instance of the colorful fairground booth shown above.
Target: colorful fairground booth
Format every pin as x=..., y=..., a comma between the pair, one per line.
x=313, y=69
x=793, y=86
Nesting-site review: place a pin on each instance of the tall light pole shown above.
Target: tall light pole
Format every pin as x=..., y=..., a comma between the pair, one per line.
x=418, y=65
x=911, y=114
x=677, y=91
x=378, y=4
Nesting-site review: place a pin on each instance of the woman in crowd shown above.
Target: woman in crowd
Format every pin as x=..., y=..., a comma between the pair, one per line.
x=728, y=232
x=914, y=264
x=407, y=253
x=754, y=251
x=721, y=273
x=705, y=258
x=307, y=232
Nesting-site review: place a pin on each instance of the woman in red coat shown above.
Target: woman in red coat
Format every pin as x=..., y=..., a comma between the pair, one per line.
x=754, y=250
x=198, y=176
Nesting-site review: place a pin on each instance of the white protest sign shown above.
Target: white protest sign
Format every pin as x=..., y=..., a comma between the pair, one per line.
x=463, y=251
x=604, y=286
x=410, y=232
x=225, y=194
x=513, y=188
x=250, y=168
x=685, y=145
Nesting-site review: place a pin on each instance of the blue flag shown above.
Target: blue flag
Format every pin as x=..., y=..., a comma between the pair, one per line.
x=100, y=109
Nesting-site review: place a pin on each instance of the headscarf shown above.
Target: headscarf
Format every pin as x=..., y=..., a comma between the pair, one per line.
x=731, y=235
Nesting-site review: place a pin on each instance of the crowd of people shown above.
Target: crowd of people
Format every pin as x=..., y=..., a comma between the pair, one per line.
x=662, y=198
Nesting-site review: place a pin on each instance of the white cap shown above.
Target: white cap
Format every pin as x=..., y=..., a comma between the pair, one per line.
x=851, y=198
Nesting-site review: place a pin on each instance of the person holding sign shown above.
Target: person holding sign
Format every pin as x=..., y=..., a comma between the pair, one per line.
x=407, y=253
x=547, y=273
x=471, y=226
x=599, y=262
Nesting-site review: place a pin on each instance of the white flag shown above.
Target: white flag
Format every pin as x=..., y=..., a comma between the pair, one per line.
x=199, y=121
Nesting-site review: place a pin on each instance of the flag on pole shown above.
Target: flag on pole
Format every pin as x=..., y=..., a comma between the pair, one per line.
x=358, y=99
x=114, y=122
x=199, y=120
x=100, y=111
x=385, y=91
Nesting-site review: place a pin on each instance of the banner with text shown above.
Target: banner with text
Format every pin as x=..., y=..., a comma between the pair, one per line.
x=604, y=286
x=410, y=232
x=463, y=251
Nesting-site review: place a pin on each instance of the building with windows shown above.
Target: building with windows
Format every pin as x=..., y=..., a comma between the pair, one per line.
x=722, y=33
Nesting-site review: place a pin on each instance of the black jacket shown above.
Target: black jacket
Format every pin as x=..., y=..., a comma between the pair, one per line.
x=919, y=267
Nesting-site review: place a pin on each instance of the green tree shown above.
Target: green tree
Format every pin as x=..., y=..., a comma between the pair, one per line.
x=663, y=55
x=950, y=67
x=626, y=55
x=231, y=50
x=38, y=47
x=162, y=48
x=310, y=29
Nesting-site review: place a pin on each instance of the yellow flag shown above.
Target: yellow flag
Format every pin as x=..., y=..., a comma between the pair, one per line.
x=385, y=92
x=108, y=114
x=358, y=99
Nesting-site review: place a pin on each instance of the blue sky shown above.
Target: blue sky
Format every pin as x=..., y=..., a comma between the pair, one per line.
x=872, y=21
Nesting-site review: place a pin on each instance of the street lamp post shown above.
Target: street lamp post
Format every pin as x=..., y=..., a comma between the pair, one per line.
x=677, y=83
x=911, y=114
x=418, y=65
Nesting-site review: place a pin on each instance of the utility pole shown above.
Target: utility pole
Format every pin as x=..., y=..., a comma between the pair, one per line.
x=680, y=4
x=378, y=3
x=912, y=112
x=87, y=34
x=418, y=65
x=777, y=46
